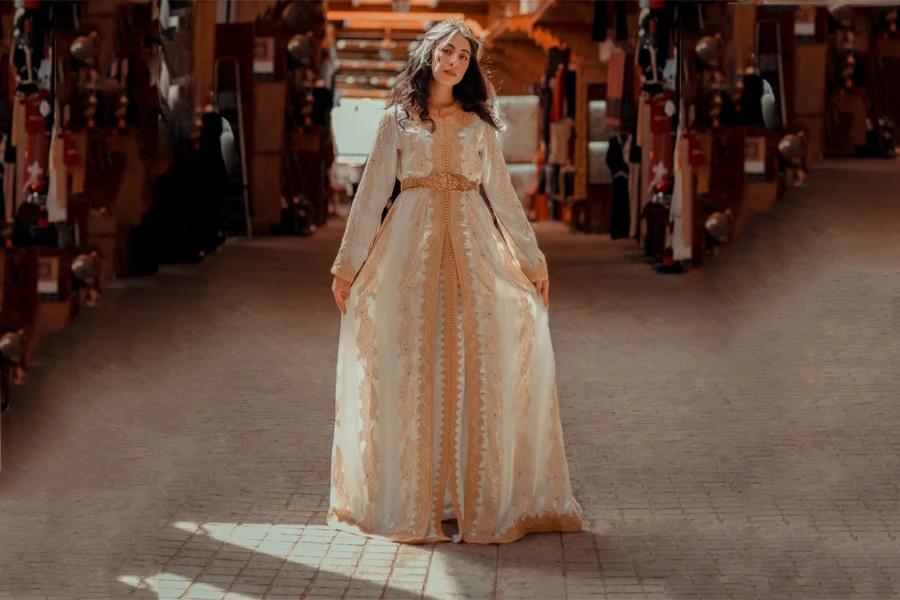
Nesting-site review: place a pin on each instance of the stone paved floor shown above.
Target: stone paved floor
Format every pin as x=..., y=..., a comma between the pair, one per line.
x=733, y=433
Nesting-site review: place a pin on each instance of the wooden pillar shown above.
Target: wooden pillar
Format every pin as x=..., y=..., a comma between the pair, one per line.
x=810, y=79
x=203, y=50
x=588, y=73
x=267, y=160
x=101, y=14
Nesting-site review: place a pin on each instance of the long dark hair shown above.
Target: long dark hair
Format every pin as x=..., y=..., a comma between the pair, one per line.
x=474, y=93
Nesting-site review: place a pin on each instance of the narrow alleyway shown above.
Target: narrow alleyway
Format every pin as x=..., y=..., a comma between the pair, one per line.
x=733, y=433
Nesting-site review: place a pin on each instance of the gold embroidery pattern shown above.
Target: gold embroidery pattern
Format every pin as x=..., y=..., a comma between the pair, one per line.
x=502, y=195
x=505, y=239
x=538, y=273
x=448, y=183
x=440, y=400
x=362, y=290
x=427, y=334
x=452, y=147
x=539, y=523
x=450, y=360
x=441, y=182
x=412, y=280
x=558, y=474
x=344, y=270
x=338, y=482
x=344, y=266
x=420, y=144
x=513, y=269
x=457, y=240
x=557, y=469
x=343, y=520
x=493, y=399
x=456, y=188
x=550, y=521
x=458, y=405
x=366, y=342
x=475, y=385
x=523, y=469
x=469, y=160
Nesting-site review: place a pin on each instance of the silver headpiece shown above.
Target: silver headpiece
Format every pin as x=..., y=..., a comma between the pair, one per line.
x=458, y=22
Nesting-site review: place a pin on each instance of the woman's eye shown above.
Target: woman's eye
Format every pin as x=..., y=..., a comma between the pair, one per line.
x=464, y=57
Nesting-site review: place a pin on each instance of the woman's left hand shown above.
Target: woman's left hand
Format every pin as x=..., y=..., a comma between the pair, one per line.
x=543, y=288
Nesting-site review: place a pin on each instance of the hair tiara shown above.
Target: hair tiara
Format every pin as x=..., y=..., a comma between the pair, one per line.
x=458, y=22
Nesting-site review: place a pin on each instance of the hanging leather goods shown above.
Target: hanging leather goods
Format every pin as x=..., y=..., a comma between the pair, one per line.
x=37, y=143
x=662, y=144
x=660, y=121
x=661, y=155
x=71, y=157
x=37, y=153
x=696, y=157
x=90, y=113
x=35, y=122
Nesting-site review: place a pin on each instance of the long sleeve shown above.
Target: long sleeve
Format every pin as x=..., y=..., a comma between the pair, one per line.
x=375, y=189
x=508, y=208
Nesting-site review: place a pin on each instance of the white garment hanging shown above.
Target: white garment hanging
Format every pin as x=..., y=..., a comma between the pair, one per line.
x=56, y=207
x=560, y=134
x=681, y=244
x=57, y=193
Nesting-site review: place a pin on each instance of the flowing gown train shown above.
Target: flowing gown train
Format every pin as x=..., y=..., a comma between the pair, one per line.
x=446, y=404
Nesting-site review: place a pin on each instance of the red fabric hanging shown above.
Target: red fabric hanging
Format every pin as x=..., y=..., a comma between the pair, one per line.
x=661, y=154
x=556, y=107
x=71, y=157
x=696, y=157
x=659, y=120
x=615, y=88
x=37, y=144
x=34, y=120
x=662, y=145
x=37, y=151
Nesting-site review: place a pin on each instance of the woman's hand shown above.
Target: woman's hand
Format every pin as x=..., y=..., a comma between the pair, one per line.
x=341, y=291
x=543, y=288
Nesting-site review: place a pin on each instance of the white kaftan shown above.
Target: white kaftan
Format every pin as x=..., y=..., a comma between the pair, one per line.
x=446, y=401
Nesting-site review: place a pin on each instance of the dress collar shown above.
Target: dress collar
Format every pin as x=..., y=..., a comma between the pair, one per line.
x=446, y=112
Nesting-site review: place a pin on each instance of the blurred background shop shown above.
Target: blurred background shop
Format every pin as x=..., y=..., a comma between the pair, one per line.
x=714, y=185
x=166, y=127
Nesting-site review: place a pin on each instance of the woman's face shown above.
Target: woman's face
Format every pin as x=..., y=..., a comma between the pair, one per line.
x=450, y=60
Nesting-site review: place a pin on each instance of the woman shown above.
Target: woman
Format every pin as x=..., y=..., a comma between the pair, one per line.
x=446, y=395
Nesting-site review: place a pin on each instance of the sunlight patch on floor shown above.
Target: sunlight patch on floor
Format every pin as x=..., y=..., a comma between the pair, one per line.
x=320, y=549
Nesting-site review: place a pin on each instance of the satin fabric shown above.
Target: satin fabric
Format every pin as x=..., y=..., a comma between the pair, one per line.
x=446, y=403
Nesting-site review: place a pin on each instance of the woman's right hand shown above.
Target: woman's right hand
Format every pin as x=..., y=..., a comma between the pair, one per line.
x=341, y=291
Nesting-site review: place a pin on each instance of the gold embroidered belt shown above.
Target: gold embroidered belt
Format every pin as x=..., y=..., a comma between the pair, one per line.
x=441, y=182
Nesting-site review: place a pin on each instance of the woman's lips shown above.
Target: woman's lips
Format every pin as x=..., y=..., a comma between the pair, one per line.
x=450, y=73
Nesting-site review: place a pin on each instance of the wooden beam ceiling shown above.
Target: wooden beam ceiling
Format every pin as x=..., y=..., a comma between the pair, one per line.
x=367, y=63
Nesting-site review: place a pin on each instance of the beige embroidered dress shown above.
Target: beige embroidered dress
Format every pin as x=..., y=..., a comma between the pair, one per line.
x=446, y=395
